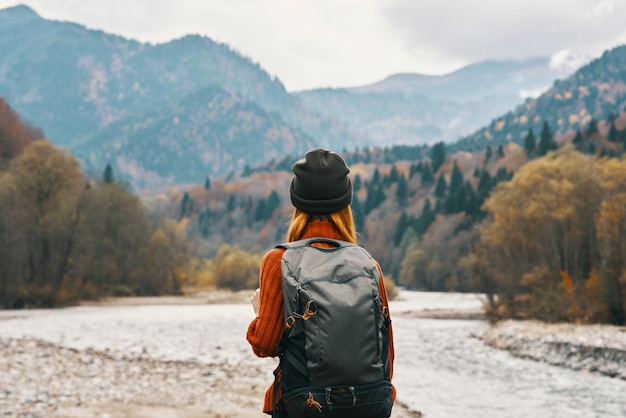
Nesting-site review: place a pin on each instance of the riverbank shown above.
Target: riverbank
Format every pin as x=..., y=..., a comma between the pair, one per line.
x=587, y=348
x=187, y=357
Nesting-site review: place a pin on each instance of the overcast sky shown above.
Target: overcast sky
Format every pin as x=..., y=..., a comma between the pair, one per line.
x=342, y=43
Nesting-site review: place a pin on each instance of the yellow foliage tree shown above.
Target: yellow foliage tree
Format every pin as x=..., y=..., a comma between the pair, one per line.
x=546, y=229
x=236, y=269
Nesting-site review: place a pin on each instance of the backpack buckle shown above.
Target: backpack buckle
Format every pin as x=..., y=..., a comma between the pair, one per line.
x=311, y=309
x=290, y=322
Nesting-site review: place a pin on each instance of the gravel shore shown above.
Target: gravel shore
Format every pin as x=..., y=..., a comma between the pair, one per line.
x=41, y=379
x=45, y=380
x=588, y=348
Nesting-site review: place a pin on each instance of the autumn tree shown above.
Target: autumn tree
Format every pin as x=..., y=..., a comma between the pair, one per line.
x=114, y=234
x=611, y=227
x=236, y=269
x=47, y=190
x=14, y=134
x=542, y=237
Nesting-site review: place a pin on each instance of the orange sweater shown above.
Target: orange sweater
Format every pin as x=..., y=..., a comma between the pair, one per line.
x=266, y=330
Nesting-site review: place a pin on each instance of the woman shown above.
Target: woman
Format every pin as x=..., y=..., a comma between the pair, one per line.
x=321, y=192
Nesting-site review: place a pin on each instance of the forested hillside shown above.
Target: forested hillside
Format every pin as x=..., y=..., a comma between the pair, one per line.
x=593, y=93
x=436, y=219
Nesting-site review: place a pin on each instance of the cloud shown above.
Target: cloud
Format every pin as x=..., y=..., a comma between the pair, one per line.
x=330, y=43
x=473, y=31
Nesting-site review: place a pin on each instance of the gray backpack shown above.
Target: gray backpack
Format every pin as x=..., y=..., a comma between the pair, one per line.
x=334, y=350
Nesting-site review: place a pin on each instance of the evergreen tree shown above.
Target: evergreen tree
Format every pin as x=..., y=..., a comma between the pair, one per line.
x=259, y=213
x=500, y=151
x=613, y=135
x=402, y=192
x=470, y=205
x=414, y=169
x=204, y=222
x=592, y=128
x=438, y=156
x=273, y=203
x=107, y=176
x=403, y=224
x=485, y=183
x=530, y=143
x=439, y=206
x=207, y=183
x=456, y=179
x=232, y=202
x=357, y=213
x=427, y=175
x=426, y=219
x=546, y=140
x=393, y=175
x=248, y=210
x=578, y=138
x=460, y=198
x=488, y=154
x=502, y=175
x=375, y=196
x=186, y=205
x=367, y=157
x=611, y=118
x=357, y=183
x=441, y=187
x=455, y=201
x=376, y=176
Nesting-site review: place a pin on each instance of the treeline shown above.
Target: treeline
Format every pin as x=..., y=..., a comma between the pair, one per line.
x=64, y=237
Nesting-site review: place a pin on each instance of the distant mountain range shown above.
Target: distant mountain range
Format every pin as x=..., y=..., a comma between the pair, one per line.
x=177, y=112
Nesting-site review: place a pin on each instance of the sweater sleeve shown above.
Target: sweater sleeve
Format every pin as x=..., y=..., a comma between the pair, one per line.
x=265, y=331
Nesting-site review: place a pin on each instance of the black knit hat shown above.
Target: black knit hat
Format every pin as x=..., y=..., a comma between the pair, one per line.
x=321, y=184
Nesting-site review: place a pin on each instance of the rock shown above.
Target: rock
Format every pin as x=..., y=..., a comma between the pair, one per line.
x=593, y=348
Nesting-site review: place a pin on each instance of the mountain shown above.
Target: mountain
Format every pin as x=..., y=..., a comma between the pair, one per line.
x=594, y=92
x=486, y=78
x=176, y=112
x=208, y=132
x=417, y=108
x=99, y=78
x=96, y=93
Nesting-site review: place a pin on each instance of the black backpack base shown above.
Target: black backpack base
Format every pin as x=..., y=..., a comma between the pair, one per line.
x=362, y=401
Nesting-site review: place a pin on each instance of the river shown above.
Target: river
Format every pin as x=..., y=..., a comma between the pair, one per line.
x=440, y=369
